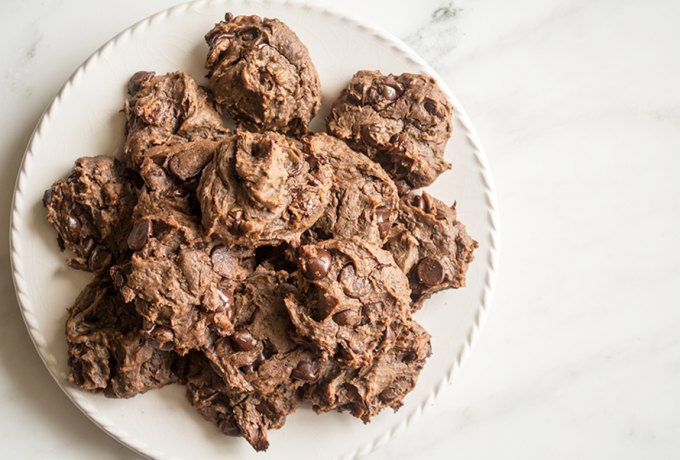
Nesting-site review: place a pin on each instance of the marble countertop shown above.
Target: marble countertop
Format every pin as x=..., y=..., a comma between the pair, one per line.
x=578, y=105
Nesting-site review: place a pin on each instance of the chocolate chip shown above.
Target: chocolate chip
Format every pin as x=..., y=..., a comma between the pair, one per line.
x=99, y=259
x=419, y=202
x=389, y=394
x=369, y=134
x=294, y=168
x=141, y=231
x=249, y=34
x=382, y=216
x=73, y=227
x=236, y=226
x=88, y=245
x=47, y=197
x=189, y=163
x=431, y=106
x=179, y=192
x=137, y=80
x=265, y=409
x=392, y=89
x=343, y=354
x=315, y=267
x=389, y=335
x=312, y=162
x=430, y=272
x=243, y=341
x=389, y=93
x=305, y=371
x=344, y=317
x=159, y=159
x=227, y=298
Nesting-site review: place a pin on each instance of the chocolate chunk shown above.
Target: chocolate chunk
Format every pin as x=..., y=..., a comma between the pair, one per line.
x=306, y=371
x=316, y=266
x=141, y=231
x=430, y=271
x=189, y=163
x=243, y=341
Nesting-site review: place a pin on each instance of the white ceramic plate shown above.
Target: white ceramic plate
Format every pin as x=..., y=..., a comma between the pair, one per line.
x=84, y=119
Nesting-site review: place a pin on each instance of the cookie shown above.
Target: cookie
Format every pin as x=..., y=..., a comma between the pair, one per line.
x=165, y=110
x=262, y=189
x=402, y=122
x=181, y=284
x=352, y=297
x=430, y=245
x=367, y=390
x=105, y=351
x=363, y=199
x=90, y=211
x=260, y=366
x=261, y=74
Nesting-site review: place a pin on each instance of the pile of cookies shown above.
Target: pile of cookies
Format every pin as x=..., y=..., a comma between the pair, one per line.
x=266, y=265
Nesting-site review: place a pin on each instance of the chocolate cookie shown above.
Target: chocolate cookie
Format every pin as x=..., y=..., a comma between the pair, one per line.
x=165, y=110
x=430, y=245
x=367, y=390
x=260, y=366
x=403, y=122
x=182, y=284
x=352, y=297
x=261, y=74
x=363, y=199
x=90, y=211
x=262, y=189
x=105, y=350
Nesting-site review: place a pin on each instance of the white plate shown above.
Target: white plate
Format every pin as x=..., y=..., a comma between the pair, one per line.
x=84, y=119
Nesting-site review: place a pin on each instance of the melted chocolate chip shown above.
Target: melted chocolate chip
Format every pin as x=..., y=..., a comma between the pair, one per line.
x=243, y=341
x=305, y=371
x=317, y=267
x=430, y=272
x=140, y=232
